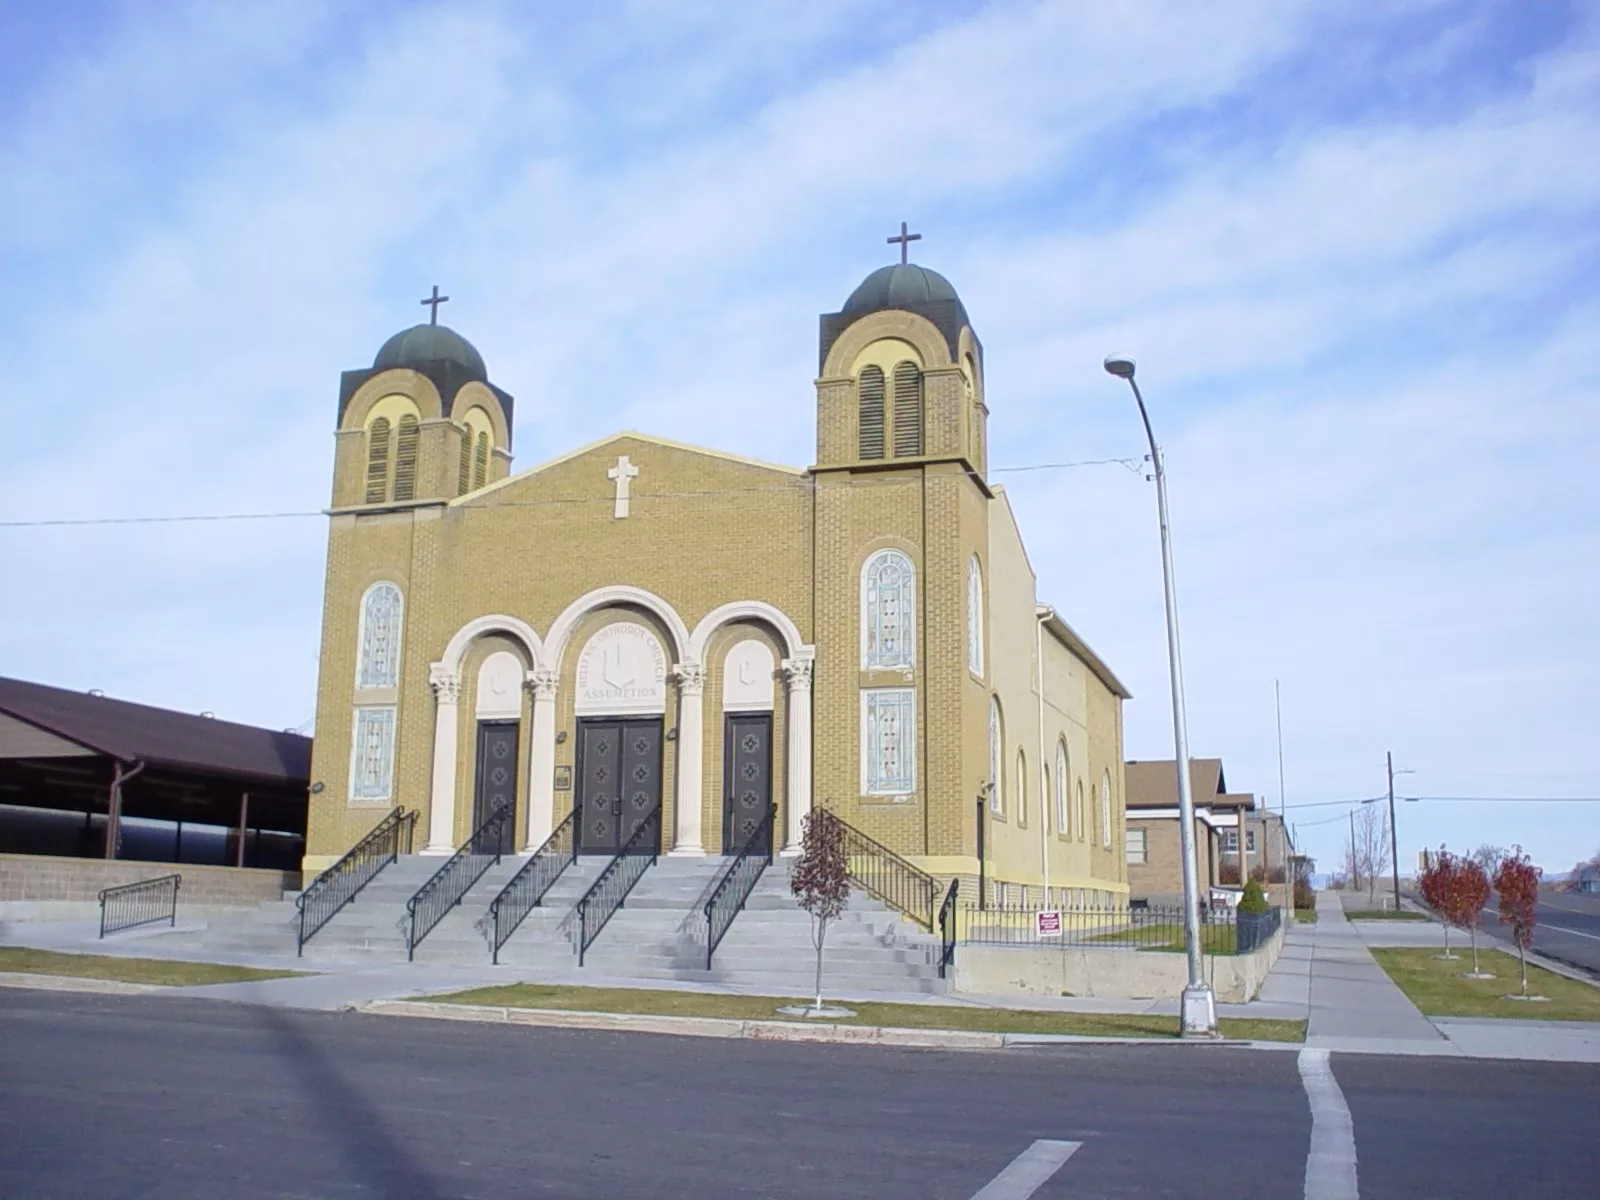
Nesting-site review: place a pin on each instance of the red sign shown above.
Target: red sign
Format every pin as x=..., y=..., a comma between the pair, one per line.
x=1048, y=923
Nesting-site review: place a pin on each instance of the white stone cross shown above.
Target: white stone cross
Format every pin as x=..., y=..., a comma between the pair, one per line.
x=620, y=475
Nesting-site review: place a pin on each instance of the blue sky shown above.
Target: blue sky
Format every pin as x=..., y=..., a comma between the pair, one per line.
x=1352, y=246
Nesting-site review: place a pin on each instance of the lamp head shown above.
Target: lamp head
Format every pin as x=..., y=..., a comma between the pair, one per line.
x=1120, y=365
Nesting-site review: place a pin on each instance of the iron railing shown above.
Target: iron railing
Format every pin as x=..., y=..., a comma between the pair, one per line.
x=606, y=895
x=1107, y=927
x=1255, y=929
x=737, y=880
x=947, y=929
x=527, y=887
x=886, y=875
x=449, y=883
x=338, y=885
x=141, y=903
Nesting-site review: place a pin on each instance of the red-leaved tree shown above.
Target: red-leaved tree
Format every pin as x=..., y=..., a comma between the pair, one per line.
x=1469, y=892
x=1516, y=885
x=1436, y=882
x=821, y=879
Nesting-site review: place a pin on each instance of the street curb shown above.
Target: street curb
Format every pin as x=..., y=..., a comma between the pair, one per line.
x=73, y=983
x=761, y=1031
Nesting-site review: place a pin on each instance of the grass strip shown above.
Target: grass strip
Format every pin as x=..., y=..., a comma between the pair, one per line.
x=1436, y=987
x=1385, y=914
x=1306, y=916
x=664, y=1002
x=161, y=971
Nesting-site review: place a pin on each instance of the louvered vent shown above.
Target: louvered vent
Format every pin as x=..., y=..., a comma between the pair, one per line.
x=480, y=462
x=405, y=458
x=377, y=460
x=870, y=386
x=907, y=410
x=464, y=477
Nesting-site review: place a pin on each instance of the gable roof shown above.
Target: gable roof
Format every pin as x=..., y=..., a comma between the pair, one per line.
x=129, y=731
x=1153, y=783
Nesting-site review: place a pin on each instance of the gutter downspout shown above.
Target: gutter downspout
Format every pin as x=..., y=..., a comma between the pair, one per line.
x=1042, y=613
x=114, y=804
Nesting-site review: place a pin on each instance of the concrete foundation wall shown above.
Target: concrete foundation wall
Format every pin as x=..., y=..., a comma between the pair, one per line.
x=1105, y=972
x=39, y=877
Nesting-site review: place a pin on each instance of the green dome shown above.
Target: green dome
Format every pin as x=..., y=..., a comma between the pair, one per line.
x=904, y=285
x=423, y=344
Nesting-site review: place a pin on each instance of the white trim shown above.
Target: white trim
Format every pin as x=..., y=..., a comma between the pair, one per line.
x=456, y=649
x=740, y=610
x=560, y=634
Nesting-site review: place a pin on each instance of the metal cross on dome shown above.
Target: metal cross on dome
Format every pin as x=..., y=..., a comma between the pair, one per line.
x=435, y=300
x=905, y=239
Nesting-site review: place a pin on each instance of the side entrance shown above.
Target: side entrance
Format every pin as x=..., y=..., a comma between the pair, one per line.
x=619, y=780
x=496, y=783
x=746, y=780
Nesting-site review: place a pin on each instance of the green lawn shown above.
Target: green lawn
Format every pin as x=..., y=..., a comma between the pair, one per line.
x=661, y=1002
x=165, y=972
x=1306, y=916
x=1436, y=987
x=1385, y=914
x=1214, y=939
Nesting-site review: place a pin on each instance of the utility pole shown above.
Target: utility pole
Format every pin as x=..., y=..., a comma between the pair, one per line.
x=1394, y=845
x=1355, y=859
x=1283, y=811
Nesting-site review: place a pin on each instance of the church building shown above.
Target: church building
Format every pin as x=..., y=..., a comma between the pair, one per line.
x=641, y=631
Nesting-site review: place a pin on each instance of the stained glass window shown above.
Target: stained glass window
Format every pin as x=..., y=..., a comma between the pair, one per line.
x=379, y=665
x=1105, y=810
x=974, y=616
x=888, y=611
x=372, y=759
x=997, y=799
x=1061, y=788
x=889, y=741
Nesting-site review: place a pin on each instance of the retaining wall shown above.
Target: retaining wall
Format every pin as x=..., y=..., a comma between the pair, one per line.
x=42, y=883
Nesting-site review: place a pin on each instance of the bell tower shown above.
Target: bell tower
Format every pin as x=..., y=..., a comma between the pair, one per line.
x=901, y=554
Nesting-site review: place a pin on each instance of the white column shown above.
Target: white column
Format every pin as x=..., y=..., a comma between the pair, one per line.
x=442, y=808
x=797, y=672
x=541, y=759
x=691, y=755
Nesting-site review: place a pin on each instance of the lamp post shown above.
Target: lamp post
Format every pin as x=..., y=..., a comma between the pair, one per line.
x=1199, y=1008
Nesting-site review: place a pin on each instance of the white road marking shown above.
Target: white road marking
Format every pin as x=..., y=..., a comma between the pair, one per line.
x=1028, y=1171
x=1331, y=1164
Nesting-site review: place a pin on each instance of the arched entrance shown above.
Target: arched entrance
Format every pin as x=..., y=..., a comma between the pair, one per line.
x=620, y=703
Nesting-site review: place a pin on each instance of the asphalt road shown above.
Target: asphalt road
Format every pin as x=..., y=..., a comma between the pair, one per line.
x=1568, y=928
x=133, y=1097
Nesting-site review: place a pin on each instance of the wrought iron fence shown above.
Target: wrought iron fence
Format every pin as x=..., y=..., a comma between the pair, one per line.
x=141, y=903
x=737, y=880
x=605, y=896
x=449, y=883
x=886, y=875
x=1109, y=927
x=1255, y=929
x=947, y=928
x=527, y=887
x=339, y=884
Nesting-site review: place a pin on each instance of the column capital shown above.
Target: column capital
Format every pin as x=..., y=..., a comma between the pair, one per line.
x=691, y=677
x=797, y=673
x=446, y=684
x=541, y=682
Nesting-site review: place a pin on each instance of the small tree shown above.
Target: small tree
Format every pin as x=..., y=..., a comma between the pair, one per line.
x=1436, y=881
x=1516, y=884
x=821, y=880
x=1488, y=857
x=1469, y=892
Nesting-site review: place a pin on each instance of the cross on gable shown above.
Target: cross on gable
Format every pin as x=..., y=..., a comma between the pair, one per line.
x=905, y=239
x=621, y=475
x=435, y=300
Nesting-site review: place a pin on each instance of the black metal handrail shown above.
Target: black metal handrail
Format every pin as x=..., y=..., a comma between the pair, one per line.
x=338, y=885
x=737, y=880
x=947, y=928
x=887, y=876
x=527, y=887
x=449, y=883
x=143, y=903
x=600, y=903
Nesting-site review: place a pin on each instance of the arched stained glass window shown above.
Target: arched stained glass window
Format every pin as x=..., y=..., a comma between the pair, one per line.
x=888, y=611
x=1022, y=788
x=997, y=799
x=379, y=665
x=974, y=616
x=1105, y=809
x=378, y=461
x=1081, y=816
x=1062, y=825
x=869, y=398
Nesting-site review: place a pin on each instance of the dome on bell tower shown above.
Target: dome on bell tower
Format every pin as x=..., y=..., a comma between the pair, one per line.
x=423, y=344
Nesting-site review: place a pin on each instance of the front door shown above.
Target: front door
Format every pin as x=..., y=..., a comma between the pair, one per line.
x=619, y=781
x=746, y=780
x=496, y=785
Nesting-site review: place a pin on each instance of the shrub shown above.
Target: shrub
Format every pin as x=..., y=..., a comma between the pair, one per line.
x=1254, y=899
x=1304, y=897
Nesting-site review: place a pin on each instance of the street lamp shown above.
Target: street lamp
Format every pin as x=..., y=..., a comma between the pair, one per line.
x=1199, y=1008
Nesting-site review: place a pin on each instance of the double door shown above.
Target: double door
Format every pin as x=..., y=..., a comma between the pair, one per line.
x=619, y=782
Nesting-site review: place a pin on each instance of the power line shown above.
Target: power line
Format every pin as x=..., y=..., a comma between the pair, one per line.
x=808, y=483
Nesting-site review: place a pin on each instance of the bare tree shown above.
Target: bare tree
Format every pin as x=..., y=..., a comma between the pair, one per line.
x=1488, y=857
x=821, y=879
x=1371, y=849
